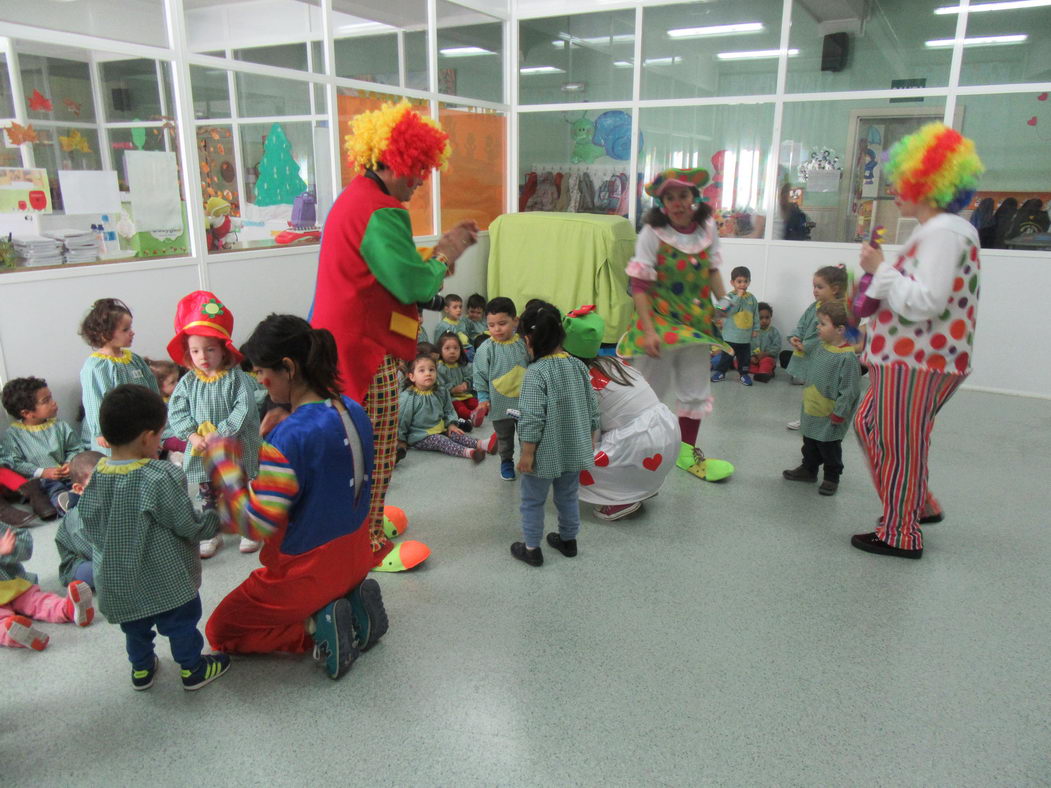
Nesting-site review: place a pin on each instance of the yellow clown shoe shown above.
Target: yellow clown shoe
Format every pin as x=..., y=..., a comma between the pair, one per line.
x=404, y=556
x=692, y=460
x=395, y=521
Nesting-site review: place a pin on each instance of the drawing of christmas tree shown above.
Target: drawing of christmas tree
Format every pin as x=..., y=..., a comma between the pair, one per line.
x=279, y=182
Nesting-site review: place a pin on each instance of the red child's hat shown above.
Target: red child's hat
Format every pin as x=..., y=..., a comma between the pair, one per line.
x=202, y=314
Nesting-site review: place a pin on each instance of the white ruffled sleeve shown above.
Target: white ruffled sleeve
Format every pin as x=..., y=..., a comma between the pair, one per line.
x=643, y=264
x=715, y=255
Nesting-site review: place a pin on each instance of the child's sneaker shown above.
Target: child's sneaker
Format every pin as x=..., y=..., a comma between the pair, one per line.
x=507, y=470
x=717, y=376
x=532, y=557
x=78, y=601
x=209, y=547
x=792, y=425
x=334, y=637
x=762, y=377
x=568, y=547
x=477, y=417
x=493, y=445
x=828, y=488
x=617, y=512
x=746, y=379
x=62, y=503
x=211, y=667
x=477, y=454
x=800, y=474
x=464, y=424
x=248, y=545
x=370, y=617
x=143, y=679
x=21, y=630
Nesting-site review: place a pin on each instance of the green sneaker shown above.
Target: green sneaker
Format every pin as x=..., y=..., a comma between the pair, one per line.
x=370, y=617
x=211, y=667
x=692, y=460
x=143, y=679
x=334, y=637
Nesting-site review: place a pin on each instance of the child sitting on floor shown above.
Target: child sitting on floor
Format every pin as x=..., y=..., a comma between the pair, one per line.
x=476, y=326
x=766, y=347
x=833, y=388
x=74, y=549
x=452, y=319
x=456, y=376
x=38, y=445
x=427, y=420
x=21, y=599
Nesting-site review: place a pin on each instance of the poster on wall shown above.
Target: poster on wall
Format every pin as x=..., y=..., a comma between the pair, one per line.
x=153, y=180
x=24, y=190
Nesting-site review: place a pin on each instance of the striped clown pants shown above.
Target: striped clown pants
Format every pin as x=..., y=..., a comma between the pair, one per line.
x=894, y=423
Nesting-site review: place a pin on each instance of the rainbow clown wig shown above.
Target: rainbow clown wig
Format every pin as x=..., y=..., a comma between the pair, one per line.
x=400, y=139
x=936, y=165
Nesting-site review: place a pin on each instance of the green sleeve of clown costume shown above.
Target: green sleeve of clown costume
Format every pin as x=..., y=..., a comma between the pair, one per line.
x=392, y=258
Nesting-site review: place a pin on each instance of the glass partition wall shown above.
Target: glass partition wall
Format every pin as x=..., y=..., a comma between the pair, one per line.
x=187, y=128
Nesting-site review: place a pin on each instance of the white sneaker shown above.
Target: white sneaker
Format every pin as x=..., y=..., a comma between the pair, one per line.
x=793, y=425
x=248, y=545
x=210, y=547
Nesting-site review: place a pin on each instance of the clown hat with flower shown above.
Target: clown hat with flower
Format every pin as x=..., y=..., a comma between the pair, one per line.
x=693, y=179
x=202, y=314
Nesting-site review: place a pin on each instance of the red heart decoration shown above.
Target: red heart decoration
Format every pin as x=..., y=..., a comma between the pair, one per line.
x=598, y=380
x=602, y=459
x=1031, y=121
x=653, y=463
x=1042, y=97
x=586, y=479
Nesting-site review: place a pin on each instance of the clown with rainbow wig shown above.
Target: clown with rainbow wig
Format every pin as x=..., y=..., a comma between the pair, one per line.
x=920, y=339
x=370, y=278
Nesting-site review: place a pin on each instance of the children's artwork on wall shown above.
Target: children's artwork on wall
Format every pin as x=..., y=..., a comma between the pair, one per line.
x=279, y=182
x=19, y=134
x=155, y=201
x=218, y=169
x=38, y=102
x=75, y=142
x=24, y=190
x=89, y=191
x=613, y=133
x=1034, y=121
x=72, y=106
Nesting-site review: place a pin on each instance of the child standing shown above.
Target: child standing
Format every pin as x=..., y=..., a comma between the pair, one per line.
x=476, y=326
x=829, y=283
x=144, y=532
x=452, y=319
x=107, y=328
x=215, y=397
x=427, y=420
x=499, y=367
x=456, y=376
x=74, y=549
x=21, y=599
x=833, y=387
x=559, y=414
x=766, y=347
x=38, y=445
x=740, y=327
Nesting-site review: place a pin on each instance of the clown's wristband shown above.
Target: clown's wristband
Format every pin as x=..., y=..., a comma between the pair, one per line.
x=441, y=258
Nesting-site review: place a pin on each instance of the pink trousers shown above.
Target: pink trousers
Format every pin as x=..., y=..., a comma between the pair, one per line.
x=36, y=604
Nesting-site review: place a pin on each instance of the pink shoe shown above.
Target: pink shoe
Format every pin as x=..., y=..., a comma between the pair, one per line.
x=617, y=512
x=21, y=630
x=477, y=417
x=81, y=610
x=493, y=444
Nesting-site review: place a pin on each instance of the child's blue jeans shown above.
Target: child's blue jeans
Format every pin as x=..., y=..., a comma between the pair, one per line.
x=178, y=625
x=534, y=495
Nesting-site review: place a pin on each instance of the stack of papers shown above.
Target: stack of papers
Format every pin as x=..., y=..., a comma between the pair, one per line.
x=36, y=250
x=80, y=245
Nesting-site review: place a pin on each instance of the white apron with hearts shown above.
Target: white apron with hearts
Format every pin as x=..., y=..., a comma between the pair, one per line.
x=639, y=443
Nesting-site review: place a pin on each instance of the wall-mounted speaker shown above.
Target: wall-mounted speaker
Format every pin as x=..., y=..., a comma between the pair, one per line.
x=835, y=47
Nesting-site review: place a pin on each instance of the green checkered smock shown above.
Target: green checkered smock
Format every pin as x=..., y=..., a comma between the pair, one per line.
x=73, y=545
x=29, y=448
x=144, y=534
x=559, y=413
x=499, y=367
x=99, y=375
x=833, y=386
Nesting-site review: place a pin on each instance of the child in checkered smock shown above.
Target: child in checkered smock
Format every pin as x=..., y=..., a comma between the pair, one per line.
x=559, y=414
x=214, y=397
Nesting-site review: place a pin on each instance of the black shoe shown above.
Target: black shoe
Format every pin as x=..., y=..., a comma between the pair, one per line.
x=762, y=377
x=524, y=554
x=399, y=454
x=828, y=488
x=568, y=547
x=800, y=474
x=143, y=679
x=211, y=667
x=871, y=543
x=464, y=424
x=370, y=617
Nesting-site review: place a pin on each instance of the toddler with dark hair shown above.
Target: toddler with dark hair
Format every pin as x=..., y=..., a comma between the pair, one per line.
x=38, y=445
x=74, y=549
x=476, y=325
x=766, y=347
x=452, y=319
x=144, y=533
x=740, y=327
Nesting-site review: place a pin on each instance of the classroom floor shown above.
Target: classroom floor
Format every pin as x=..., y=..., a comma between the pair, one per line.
x=727, y=636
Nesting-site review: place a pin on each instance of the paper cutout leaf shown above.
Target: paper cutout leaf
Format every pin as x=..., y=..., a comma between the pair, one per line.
x=72, y=106
x=19, y=134
x=38, y=102
x=74, y=142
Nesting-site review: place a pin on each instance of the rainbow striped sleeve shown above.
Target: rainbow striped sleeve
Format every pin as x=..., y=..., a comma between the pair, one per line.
x=259, y=509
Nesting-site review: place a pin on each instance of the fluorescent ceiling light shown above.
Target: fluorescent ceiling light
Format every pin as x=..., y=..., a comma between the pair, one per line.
x=362, y=28
x=651, y=61
x=716, y=30
x=977, y=8
x=541, y=70
x=465, y=52
x=758, y=54
x=565, y=39
x=979, y=41
x=622, y=63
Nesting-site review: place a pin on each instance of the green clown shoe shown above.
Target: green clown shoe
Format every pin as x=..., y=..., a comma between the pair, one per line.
x=692, y=460
x=404, y=556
